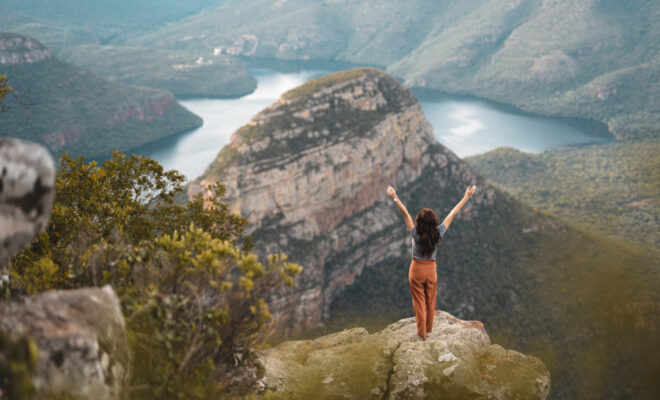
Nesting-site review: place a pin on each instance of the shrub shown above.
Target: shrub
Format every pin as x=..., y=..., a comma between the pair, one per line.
x=193, y=294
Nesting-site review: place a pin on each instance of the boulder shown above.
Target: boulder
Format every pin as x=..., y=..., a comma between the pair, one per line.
x=27, y=190
x=81, y=341
x=457, y=361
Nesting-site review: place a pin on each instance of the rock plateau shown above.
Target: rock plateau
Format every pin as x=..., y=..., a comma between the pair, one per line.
x=457, y=361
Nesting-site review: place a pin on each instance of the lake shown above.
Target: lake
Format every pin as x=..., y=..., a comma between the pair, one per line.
x=467, y=126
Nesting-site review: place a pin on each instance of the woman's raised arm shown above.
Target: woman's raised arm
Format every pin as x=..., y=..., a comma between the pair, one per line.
x=450, y=217
x=406, y=217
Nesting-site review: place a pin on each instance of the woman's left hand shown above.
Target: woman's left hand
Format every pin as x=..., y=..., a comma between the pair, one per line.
x=391, y=192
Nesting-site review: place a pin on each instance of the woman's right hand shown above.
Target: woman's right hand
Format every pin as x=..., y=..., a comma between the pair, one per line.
x=470, y=191
x=391, y=192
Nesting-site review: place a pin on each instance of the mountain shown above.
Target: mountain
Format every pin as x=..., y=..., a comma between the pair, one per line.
x=53, y=35
x=596, y=59
x=67, y=108
x=612, y=189
x=109, y=17
x=177, y=71
x=309, y=173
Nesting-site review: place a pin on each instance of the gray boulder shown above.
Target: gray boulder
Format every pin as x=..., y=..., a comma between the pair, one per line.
x=27, y=190
x=457, y=361
x=81, y=339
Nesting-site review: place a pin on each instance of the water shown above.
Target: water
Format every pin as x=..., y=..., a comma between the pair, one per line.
x=467, y=126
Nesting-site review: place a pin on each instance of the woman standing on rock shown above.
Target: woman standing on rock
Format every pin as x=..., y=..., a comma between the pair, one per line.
x=425, y=235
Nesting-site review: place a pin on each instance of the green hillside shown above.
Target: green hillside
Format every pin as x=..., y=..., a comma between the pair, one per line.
x=612, y=189
x=67, y=108
x=575, y=58
x=54, y=36
x=177, y=71
x=109, y=16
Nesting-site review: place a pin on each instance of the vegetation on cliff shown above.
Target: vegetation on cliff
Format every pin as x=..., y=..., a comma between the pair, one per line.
x=192, y=293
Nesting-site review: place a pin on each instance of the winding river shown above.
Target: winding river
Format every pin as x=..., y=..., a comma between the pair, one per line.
x=467, y=126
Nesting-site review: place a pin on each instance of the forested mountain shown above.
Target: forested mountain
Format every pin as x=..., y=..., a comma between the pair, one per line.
x=67, y=108
x=55, y=36
x=581, y=58
x=180, y=72
x=109, y=17
x=612, y=189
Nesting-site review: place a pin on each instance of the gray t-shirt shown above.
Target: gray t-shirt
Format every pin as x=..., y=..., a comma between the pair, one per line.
x=416, y=248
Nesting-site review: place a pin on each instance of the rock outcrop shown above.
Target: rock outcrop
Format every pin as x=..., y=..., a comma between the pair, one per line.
x=457, y=361
x=81, y=341
x=27, y=190
x=309, y=173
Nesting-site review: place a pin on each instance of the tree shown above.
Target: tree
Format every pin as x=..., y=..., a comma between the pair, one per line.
x=4, y=90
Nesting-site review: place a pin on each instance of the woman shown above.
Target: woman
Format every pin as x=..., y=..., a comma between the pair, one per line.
x=425, y=235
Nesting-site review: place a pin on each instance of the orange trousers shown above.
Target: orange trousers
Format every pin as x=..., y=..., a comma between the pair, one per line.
x=423, y=280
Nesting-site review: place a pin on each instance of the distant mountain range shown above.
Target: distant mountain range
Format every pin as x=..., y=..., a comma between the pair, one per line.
x=67, y=108
x=109, y=18
x=576, y=58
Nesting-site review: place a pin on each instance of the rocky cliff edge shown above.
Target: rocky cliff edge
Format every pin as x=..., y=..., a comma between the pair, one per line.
x=457, y=361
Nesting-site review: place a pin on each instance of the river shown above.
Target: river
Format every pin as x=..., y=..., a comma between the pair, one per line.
x=465, y=125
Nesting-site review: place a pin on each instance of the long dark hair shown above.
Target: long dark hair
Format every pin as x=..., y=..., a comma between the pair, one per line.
x=426, y=224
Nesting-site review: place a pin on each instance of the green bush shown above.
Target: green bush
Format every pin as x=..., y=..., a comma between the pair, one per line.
x=193, y=294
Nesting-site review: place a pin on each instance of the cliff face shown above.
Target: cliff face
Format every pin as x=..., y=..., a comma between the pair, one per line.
x=69, y=109
x=309, y=173
x=457, y=361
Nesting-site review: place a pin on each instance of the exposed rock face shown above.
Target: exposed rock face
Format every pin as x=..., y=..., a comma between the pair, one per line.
x=310, y=171
x=457, y=361
x=27, y=190
x=81, y=339
x=18, y=50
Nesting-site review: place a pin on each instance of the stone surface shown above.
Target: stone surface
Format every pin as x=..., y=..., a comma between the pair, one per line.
x=27, y=190
x=82, y=344
x=457, y=361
